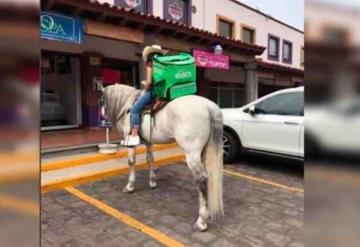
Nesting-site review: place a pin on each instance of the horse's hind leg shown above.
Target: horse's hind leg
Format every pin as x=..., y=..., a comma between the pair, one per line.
x=131, y=162
x=194, y=163
x=152, y=167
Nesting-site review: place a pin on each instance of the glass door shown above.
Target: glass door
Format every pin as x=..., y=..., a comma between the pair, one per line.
x=60, y=92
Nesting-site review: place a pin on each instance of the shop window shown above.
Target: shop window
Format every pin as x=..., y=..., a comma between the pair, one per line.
x=287, y=52
x=177, y=10
x=273, y=47
x=228, y=97
x=139, y=5
x=119, y=71
x=302, y=56
x=248, y=35
x=225, y=27
x=60, y=91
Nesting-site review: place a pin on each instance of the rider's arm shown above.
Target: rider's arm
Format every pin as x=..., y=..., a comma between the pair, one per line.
x=148, y=76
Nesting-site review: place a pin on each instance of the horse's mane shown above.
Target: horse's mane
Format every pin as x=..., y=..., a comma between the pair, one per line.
x=118, y=99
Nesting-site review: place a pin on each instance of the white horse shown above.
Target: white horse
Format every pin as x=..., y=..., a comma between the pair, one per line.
x=195, y=123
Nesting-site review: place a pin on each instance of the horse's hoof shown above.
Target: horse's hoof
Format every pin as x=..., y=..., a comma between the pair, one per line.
x=200, y=226
x=152, y=185
x=127, y=190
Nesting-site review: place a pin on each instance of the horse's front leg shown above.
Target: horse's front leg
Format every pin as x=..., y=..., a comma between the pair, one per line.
x=131, y=162
x=152, y=167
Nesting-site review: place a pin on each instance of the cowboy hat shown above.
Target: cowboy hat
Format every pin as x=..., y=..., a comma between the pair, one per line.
x=151, y=50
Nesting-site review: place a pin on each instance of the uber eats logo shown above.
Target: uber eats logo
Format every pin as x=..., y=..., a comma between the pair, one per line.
x=48, y=25
x=183, y=74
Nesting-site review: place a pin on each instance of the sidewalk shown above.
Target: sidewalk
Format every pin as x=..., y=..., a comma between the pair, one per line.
x=62, y=139
x=60, y=172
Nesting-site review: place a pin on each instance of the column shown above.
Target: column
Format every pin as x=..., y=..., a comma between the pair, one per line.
x=251, y=82
x=203, y=87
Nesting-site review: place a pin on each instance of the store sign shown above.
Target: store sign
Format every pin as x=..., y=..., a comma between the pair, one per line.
x=138, y=5
x=209, y=60
x=175, y=10
x=133, y=3
x=60, y=27
x=104, y=122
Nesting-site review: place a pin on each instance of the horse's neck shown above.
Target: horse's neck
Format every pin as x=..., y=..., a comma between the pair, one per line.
x=120, y=98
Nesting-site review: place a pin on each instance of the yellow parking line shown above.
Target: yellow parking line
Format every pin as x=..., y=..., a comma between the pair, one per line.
x=19, y=205
x=90, y=177
x=159, y=236
x=263, y=181
x=55, y=165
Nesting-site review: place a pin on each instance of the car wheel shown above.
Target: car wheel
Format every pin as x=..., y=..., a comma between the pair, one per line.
x=231, y=147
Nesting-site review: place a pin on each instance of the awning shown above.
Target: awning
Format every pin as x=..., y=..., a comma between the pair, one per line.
x=271, y=67
x=106, y=13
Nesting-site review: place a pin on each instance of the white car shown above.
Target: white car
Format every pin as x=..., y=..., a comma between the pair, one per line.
x=271, y=125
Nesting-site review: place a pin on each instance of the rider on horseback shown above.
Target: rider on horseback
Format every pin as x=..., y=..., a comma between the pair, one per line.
x=145, y=99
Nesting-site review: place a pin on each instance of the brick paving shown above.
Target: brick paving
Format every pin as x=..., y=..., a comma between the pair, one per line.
x=255, y=214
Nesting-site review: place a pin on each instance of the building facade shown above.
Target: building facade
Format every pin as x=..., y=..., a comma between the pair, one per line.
x=88, y=41
x=280, y=65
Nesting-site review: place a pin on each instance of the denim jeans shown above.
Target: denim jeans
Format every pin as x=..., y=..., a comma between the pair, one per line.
x=139, y=106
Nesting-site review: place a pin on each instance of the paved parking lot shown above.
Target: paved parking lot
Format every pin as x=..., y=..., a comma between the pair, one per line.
x=263, y=207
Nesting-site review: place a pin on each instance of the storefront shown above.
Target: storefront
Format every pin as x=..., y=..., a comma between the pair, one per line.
x=60, y=91
x=219, y=80
x=115, y=71
x=110, y=52
x=71, y=64
x=60, y=73
x=273, y=77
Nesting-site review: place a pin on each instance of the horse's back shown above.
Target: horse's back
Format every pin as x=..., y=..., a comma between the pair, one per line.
x=184, y=119
x=194, y=102
x=191, y=111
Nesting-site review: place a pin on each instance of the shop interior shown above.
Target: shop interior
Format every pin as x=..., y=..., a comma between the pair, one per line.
x=119, y=71
x=60, y=91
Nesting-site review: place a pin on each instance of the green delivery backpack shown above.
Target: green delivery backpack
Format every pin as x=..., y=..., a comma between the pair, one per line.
x=174, y=75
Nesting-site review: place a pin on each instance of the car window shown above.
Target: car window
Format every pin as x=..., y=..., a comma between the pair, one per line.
x=283, y=104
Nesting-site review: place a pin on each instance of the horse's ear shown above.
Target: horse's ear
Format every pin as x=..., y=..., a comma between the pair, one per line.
x=99, y=86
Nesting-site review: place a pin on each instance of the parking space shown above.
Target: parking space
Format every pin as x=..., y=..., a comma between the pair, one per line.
x=263, y=207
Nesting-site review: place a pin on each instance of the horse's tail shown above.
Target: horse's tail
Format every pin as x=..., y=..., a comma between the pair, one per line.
x=213, y=159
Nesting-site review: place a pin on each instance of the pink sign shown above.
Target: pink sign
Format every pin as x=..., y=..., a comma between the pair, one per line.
x=209, y=60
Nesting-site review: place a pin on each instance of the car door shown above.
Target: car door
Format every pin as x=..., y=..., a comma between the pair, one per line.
x=276, y=125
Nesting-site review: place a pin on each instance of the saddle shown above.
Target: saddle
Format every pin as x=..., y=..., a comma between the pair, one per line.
x=155, y=106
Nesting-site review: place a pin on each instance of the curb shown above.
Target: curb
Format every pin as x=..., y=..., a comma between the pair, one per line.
x=90, y=177
x=67, y=163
